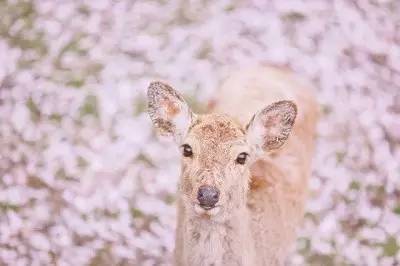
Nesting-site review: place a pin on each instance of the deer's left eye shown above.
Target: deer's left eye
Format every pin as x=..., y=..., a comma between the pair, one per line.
x=242, y=157
x=187, y=150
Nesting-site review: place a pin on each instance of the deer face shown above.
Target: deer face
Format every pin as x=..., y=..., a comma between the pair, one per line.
x=215, y=164
x=216, y=151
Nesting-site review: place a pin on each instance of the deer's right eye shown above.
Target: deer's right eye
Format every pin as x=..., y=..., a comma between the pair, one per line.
x=241, y=159
x=187, y=150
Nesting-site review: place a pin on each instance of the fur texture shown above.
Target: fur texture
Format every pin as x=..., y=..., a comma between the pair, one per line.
x=261, y=201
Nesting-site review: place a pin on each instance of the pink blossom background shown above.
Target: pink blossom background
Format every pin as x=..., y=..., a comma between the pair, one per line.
x=85, y=181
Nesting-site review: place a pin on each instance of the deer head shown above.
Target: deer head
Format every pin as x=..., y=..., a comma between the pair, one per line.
x=217, y=152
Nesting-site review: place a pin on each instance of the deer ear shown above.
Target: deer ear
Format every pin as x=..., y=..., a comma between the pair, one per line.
x=270, y=127
x=168, y=111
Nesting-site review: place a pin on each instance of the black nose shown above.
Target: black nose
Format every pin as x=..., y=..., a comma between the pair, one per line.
x=208, y=196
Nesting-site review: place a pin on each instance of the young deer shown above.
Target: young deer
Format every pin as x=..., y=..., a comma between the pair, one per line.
x=241, y=191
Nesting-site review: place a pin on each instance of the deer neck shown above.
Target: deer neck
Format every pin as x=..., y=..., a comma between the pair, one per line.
x=225, y=241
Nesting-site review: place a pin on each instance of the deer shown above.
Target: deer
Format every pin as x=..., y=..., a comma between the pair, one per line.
x=245, y=166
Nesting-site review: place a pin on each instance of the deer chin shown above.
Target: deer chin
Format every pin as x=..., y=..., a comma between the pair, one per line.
x=206, y=212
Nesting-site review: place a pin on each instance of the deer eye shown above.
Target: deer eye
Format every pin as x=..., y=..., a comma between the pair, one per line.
x=187, y=150
x=241, y=159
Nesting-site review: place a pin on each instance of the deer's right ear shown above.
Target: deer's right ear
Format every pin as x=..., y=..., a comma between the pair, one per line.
x=168, y=110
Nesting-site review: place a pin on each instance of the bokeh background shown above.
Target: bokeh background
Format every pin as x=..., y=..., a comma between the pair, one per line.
x=85, y=181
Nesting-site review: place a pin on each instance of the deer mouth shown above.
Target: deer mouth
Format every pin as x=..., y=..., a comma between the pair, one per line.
x=206, y=210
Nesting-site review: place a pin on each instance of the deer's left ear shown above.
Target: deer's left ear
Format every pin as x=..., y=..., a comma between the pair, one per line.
x=168, y=110
x=270, y=127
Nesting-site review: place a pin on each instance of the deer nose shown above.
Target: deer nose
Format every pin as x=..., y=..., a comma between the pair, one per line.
x=208, y=196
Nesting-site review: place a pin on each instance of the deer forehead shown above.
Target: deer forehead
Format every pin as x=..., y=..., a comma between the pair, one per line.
x=216, y=128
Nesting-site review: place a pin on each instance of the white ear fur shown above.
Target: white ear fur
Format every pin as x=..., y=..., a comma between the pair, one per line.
x=270, y=127
x=168, y=111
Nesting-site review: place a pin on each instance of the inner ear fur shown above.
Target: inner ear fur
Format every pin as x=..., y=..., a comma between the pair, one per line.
x=168, y=110
x=271, y=127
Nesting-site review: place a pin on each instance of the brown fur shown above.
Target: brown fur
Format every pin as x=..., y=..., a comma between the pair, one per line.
x=253, y=226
